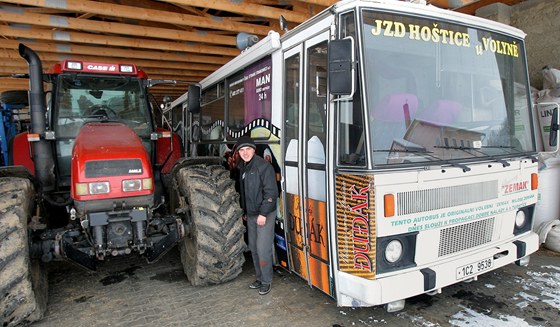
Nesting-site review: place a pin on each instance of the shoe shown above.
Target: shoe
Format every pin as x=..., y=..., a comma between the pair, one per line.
x=265, y=289
x=256, y=284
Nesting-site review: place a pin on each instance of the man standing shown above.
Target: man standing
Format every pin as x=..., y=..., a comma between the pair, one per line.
x=259, y=193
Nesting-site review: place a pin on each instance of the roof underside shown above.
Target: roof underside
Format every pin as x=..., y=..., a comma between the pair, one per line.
x=182, y=40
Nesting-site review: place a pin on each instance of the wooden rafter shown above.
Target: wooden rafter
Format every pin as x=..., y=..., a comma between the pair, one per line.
x=184, y=40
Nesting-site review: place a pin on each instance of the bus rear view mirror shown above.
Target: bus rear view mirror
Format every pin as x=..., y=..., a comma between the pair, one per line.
x=193, y=104
x=548, y=125
x=553, y=136
x=341, y=67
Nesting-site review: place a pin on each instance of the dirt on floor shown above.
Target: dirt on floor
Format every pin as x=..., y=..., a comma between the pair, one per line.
x=130, y=292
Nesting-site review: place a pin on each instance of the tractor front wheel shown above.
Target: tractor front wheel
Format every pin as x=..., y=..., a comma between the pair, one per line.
x=212, y=250
x=23, y=281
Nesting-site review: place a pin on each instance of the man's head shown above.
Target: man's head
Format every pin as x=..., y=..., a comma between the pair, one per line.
x=246, y=148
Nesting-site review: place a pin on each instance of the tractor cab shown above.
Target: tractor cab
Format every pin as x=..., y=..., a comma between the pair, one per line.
x=87, y=92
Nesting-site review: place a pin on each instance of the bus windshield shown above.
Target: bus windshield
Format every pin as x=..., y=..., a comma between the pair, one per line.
x=438, y=91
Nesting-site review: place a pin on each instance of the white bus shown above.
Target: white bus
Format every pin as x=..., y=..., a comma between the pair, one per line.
x=403, y=139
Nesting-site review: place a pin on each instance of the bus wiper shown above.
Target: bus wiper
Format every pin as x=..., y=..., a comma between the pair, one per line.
x=427, y=154
x=532, y=157
x=466, y=149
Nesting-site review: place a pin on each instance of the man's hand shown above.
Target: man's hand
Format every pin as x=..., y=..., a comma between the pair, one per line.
x=261, y=220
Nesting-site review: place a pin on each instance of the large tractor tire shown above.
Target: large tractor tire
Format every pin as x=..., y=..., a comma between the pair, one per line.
x=23, y=281
x=15, y=97
x=212, y=250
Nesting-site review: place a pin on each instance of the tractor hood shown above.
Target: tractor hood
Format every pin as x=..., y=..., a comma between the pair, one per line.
x=109, y=161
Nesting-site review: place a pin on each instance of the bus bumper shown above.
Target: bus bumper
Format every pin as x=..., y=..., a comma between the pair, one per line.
x=360, y=292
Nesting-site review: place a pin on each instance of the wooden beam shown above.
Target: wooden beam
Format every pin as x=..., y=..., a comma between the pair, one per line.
x=151, y=72
x=88, y=38
x=474, y=5
x=80, y=51
x=324, y=3
x=244, y=8
x=20, y=16
x=49, y=59
x=115, y=10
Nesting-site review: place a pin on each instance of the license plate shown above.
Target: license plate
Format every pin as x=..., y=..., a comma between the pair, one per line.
x=474, y=268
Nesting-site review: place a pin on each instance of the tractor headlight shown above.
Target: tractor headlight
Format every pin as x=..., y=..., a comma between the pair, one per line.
x=135, y=185
x=99, y=188
x=393, y=251
x=132, y=185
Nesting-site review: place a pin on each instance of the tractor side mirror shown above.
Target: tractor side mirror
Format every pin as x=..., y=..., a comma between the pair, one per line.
x=193, y=101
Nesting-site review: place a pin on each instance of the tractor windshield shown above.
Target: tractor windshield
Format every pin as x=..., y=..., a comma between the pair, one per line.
x=80, y=99
x=438, y=91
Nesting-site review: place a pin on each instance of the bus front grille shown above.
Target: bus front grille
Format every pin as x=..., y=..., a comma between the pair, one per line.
x=445, y=197
x=462, y=237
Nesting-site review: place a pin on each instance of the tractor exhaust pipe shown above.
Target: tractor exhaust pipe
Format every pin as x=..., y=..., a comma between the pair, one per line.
x=42, y=155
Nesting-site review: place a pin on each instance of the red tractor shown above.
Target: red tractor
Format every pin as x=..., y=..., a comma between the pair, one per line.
x=96, y=178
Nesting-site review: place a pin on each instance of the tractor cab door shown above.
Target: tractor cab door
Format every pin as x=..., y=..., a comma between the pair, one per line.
x=305, y=127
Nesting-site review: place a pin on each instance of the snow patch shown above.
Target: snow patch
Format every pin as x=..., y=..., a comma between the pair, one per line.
x=548, y=284
x=468, y=318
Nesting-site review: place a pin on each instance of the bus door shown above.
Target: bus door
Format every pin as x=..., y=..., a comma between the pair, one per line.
x=305, y=128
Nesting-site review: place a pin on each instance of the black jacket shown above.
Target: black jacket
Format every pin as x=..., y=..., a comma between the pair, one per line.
x=259, y=191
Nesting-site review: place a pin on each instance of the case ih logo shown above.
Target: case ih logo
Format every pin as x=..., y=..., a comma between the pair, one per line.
x=101, y=68
x=515, y=187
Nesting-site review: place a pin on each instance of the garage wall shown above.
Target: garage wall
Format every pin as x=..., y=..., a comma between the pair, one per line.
x=540, y=19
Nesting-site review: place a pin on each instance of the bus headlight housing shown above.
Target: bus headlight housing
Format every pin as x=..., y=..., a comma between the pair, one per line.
x=523, y=220
x=396, y=252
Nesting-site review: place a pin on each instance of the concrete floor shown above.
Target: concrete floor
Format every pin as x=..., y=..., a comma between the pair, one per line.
x=130, y=292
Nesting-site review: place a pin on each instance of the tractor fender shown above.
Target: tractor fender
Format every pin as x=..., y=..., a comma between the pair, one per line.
x=17, y=171
x=20, y=152
x=168, y=151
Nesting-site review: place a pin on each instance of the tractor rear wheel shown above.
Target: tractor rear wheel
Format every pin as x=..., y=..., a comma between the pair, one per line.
x=15, y=97
x=23, y=282
x=212, y=251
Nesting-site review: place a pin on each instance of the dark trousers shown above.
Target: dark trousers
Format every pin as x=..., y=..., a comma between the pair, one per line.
x=261, y=240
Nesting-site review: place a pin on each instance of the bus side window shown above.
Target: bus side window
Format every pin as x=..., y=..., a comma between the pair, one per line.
x=351, y=133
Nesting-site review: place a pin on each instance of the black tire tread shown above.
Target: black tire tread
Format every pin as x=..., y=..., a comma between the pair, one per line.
x=17, y=97
x=217, y=232
x=23, y=284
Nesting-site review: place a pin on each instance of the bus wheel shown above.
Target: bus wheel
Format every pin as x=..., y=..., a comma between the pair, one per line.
x=212, y=250
x=23, y=281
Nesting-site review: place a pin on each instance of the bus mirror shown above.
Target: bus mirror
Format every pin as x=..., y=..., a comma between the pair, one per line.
x=553, y=136
x=194, y=99
x=341, y=67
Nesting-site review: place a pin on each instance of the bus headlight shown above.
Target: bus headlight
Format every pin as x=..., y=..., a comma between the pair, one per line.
x=520, y=219
x=393, y=251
